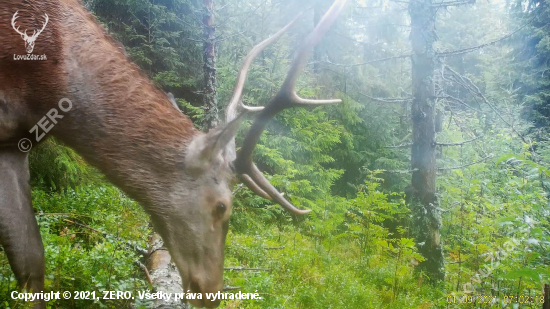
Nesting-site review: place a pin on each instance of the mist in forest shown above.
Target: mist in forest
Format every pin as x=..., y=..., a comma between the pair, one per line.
x=429, y=184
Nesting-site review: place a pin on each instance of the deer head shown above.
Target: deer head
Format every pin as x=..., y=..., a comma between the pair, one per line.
x=213, y=166
x=29, y=40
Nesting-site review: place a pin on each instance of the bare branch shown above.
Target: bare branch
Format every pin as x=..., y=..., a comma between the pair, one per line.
x=401, y=171
x=438, y=144
x=452, y=3
x=146, y=271
x=457, y=100
x=363, y=63
x=459, y=143
x=465, y=165
x=473, y=48
x=441, y=168
x=400, y=146
x=470, y=86
x=387, y=100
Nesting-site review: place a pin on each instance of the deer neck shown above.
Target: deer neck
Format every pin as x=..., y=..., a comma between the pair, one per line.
x=120, y=122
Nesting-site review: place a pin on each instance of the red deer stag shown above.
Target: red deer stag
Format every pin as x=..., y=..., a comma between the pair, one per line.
x=127, y=128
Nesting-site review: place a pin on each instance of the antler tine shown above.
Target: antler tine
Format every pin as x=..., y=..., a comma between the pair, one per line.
x=236, y=100
x=288, y=89
x=275, y=195
x=285, y=98
x=232, y=111
x=253, y=186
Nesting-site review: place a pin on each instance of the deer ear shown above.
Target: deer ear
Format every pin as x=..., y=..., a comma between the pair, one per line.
x=173, y=100
x=207, y=148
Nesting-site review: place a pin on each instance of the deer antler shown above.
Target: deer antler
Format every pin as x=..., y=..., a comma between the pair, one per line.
x=13, y=25
x=285, y=98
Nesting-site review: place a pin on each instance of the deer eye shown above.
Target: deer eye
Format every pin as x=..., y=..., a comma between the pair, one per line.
x=220, y=210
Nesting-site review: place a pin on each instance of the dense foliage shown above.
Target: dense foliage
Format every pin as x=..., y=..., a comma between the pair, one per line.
x=349, y=163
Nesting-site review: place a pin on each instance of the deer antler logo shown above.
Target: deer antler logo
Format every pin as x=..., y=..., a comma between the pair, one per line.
x=29, y=40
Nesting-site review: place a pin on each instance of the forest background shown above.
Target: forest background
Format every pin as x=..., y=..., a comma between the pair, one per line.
x=371, y=240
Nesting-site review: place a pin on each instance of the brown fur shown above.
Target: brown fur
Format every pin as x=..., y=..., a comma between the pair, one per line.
x=120, y=122
x=123, y=125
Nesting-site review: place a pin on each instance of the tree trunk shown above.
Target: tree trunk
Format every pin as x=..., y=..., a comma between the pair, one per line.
x=209, y=55
x=424, y=204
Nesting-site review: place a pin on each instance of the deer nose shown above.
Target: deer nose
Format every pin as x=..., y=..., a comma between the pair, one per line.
x=208, y=303
x=195, y=286
x=204, y=303
x=198, y=286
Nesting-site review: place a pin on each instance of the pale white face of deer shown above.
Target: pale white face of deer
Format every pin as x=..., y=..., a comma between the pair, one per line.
x=195, y=229
x=197, y=234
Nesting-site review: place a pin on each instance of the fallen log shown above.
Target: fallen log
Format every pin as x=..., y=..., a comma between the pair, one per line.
x=163, y=274
x=159, y=270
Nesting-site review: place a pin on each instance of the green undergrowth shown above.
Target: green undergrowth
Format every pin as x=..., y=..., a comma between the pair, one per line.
x=85, y=233
x=359, y=264
x=301, y=273
x=347, y=253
